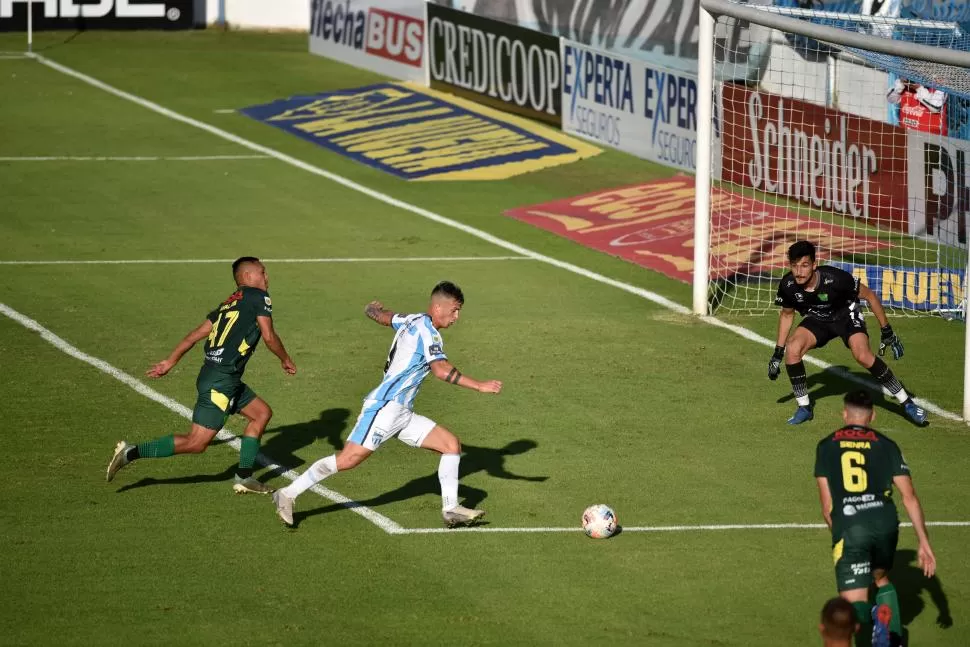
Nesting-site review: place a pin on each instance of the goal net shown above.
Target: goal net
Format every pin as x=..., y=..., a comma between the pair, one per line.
x=853, y=134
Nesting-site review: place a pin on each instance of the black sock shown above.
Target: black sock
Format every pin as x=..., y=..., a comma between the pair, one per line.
x=244, y=472
x=133, y=454
x=885, y=376
x=799, y=380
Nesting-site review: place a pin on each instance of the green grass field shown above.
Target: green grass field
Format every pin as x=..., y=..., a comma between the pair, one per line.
x=608, y=396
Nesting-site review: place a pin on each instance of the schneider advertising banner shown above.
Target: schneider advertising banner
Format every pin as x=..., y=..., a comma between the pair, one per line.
x=385, y=36
x=621, y=102
x=508, y=67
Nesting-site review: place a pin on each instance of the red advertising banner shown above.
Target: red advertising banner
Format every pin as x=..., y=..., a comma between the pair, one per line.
x=822, y=158
x=653, y=225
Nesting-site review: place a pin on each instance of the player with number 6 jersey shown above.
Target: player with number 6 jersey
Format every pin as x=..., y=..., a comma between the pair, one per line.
x=232, y=331
x=828, y=300
x=856, y=468
x=417, y=350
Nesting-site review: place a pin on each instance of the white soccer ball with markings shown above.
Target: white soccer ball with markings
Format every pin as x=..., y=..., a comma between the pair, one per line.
x=599, y=521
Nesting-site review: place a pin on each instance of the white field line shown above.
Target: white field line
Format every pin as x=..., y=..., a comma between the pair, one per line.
x=5, y=56
x=478, y=233
x=136, y=158
x=625, y=529
x=176, y=261
x=233, y=441
x=379, y=520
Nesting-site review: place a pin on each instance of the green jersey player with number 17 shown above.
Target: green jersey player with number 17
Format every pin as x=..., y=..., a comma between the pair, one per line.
x=828, y=300
x=231, y=332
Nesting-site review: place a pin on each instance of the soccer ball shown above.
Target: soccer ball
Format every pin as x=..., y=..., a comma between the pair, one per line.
x=599, y=521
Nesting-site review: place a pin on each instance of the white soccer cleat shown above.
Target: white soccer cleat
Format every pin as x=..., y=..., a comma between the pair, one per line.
x=249, y=485
x=118, y=460
x=460, y=515
x=284, y=507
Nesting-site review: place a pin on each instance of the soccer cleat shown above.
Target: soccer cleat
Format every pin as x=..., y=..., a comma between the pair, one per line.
x=802, y=414
x=284, y=507
x=881, y=616
x=249, y=485
x=119, y=459
x=914, y=412
x=460, y=515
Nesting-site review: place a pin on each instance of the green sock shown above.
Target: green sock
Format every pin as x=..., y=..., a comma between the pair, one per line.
x=862, y=611
x=247, y=456
x=158, y=448
x=887, y=595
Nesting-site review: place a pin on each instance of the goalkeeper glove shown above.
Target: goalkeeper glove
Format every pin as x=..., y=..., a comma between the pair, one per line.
x=890, y=340
x=774, y=364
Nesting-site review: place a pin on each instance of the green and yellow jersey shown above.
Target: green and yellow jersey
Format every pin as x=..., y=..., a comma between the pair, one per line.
x=235, y=331
x=859, y=464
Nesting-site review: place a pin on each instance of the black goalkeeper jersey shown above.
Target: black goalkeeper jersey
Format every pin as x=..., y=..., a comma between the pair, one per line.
x=835, y=294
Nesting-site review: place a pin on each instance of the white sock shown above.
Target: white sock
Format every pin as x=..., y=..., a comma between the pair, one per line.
x=448, y=476
x=318, y=471
x=901, y=395
x=803, y=400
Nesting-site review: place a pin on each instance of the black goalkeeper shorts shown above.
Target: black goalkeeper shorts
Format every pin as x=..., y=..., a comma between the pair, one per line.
x=826, y=331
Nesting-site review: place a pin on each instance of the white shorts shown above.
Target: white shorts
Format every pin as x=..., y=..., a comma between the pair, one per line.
x=380, y=420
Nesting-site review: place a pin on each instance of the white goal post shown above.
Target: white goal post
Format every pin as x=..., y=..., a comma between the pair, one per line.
x=845, y=172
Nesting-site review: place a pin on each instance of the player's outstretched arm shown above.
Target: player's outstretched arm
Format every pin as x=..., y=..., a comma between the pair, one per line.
x=825, y=499
x=275, y=344
x=190, y=340
x=915, y=511
x=444, y=371
x=375, y=310
x=887, y=338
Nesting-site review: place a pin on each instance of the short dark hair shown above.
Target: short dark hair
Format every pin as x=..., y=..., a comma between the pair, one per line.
x=858, y=399
x=838, y=619
x=449, y=289
x=239, y=262
x=801, y=249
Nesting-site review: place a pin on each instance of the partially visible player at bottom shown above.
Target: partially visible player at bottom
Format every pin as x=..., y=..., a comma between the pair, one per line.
x=231, y=332
x=838, y=623
x=828, y=300
x=417, y=350
x=856, y=468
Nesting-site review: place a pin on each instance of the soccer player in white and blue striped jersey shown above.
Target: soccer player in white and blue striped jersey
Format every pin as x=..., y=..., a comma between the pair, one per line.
x=416, y=351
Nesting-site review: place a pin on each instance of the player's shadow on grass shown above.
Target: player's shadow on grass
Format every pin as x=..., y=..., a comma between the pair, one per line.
x=280, y=444
x=225, y=475
x=828, y=383
x=474, y=459
x=910, y=583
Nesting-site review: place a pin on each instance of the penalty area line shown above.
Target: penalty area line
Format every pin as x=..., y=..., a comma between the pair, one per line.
x=177, y=261
x=225, y=435
x=624, y=529
x=649, y=295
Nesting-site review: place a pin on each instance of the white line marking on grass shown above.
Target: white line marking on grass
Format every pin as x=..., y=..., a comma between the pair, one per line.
x=4, y=56
x=174, y=261
x=478, y=233
x=232, y=440
x=136, y=158
x=697, y=528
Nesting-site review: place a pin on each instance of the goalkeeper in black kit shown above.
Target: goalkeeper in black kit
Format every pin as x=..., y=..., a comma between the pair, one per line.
x=828, y=300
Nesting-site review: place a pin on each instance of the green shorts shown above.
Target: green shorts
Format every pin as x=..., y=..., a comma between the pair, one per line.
x=862, y=549
x=220, y=396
